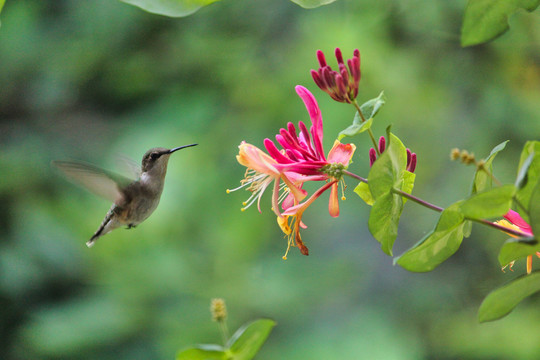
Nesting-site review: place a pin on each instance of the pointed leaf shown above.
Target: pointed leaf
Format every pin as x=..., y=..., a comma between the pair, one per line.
x=515, y=249
x=310, y=4
x=362, y=189
x=384, y=220
x=489, y=204
x=437, y=246
x=484, y=20
x=371, y=107
x=172, y=8
x=355, y=129
x=534, y=210
x=246, y=341
x=503, y=300
x=482, y=180
x=408, y=183
x=532, y=175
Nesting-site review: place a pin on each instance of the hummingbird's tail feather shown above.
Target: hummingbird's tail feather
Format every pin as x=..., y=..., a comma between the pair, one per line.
x=104, y=228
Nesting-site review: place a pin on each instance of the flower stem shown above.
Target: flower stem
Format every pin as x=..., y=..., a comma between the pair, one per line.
x=369, y=130
x=440, y=209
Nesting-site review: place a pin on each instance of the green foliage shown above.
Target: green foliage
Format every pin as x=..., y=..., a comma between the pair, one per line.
x=387, y=173
x=362, y=190
x=488, y=204
x=502, y=301
x=243, y=345
x=172, y=8
x=528, y=174
x=482, y=179
x=310, y=4
x=485, y=20
x=438, y=245
x=515, y=249
x=369, y=109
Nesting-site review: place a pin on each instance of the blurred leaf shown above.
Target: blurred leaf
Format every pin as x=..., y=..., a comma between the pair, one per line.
x=532, y=176
x=371, y=107
x=384, y=220
x=203, y=352
x=503, y=300
x=310, y=4
x=437, y=246
x=355, y=129
x=514, y=249
x=484, y=20
x=246, y=341
x=2, y=2
x=521, y=179
x=489, y=204
x=534, y=210
x=482, y=180
x=172, y=8
x=362, y=190
x=388, y=170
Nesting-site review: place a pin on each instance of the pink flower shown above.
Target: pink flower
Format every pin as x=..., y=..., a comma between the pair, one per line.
x=300, y=159
x=516, y=222
x=341, y=85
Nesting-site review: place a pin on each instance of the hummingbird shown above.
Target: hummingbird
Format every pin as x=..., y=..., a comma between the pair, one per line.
x=134, y=200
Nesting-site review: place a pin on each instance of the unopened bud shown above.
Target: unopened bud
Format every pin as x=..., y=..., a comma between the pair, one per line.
x=218, y=310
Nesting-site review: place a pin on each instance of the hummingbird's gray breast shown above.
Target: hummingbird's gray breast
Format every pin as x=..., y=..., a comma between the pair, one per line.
x=138, y=204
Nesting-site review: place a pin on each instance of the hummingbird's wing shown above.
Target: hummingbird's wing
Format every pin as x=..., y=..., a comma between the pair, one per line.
x=130, y=166
x=101, y=182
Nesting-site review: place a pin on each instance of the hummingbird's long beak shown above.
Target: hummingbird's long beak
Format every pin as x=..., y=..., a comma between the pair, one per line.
x=180, y=148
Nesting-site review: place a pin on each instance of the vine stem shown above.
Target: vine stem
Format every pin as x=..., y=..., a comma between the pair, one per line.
x=440, y=209
x=375, y=146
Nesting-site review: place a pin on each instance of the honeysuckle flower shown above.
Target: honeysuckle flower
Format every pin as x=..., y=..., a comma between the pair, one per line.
x=411, y=157
x=262, y=170
x=300, y=160
x=341, y=85
x=516, y=222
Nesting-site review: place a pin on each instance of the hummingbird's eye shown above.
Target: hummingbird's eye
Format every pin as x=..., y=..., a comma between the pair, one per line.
x=154, y=156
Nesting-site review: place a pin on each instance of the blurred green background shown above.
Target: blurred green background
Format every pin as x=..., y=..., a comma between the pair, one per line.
x=91, y=80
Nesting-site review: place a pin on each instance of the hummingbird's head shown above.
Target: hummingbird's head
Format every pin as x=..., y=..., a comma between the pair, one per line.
x=155, y=160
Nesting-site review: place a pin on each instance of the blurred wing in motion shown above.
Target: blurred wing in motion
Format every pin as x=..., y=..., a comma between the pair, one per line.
x=129, y=166
x=101, y=182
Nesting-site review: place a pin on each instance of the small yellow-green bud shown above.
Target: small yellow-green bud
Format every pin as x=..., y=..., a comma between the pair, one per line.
x=218, y=310
x=455, y=154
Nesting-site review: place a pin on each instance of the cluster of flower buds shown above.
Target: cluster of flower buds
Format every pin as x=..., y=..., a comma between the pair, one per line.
x=341, y=85
x=463, y=155
x=411, y=157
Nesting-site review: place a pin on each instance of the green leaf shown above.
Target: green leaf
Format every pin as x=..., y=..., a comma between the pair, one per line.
x=482, y=180
x=362, y=189
x=371, y=107
x=355, y=129
x=384, y=220
x=246, y=341
x=388, y=170
x=438, y=245
x=310, y=4
x=408, y=183
x=484, y=20
x=515, y=249
x=203, y=352
x=534, y=210
x=521, y=179
x=489, y=204
x=2, y=2
x=532, y=176
x=503, y=300
x=172, y=8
